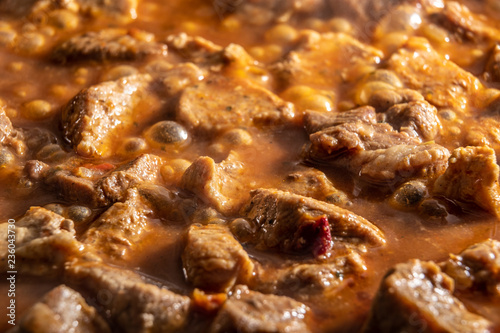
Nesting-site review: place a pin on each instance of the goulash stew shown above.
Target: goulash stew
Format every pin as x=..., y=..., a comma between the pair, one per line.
x=250, y=165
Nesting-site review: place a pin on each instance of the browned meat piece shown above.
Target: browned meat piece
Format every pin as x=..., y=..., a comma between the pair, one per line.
x=93, y=118
x=108, y=45
x=313, y=183
x=120, y=228
x=216, y=183
x=131, y=304
x=213, y=260
x=316, y=121
x=492, y=70
x=458, y=19
x=293, y=223
x=126, y=9
x=419, y=119
x=61, y=310
x=91, y=185
x=248, y=311
x=418, y=297
x=180, y=77
x=325, y=60
x=305, y=281
x=218, y=103
x=144, y=168
x=195, y=49
x=472, y=176
x=440, y=81
x=476, y=268
x=376, y=153
x=6, y=128
x=44, y=242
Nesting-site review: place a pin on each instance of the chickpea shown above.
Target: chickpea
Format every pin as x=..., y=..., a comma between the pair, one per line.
x=387, y=76
x=281, y=34
x=78, y=213
x=132, y=146
x=158, y=67
x=30, y=42
x=392, y=42
x=37, y=110
x=7, y=36
x=237, y=137
x=118, y=72
x=231, y=24
x=6, y=158
x=51, y=152
x=409, y=195
x=64, y=19
x=172, y=171
x=339, y=24
x=308, y=98
x=365, y=92
x=166, y=133
x=56, y=208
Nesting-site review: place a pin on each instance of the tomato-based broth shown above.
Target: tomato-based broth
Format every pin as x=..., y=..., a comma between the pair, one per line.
x=250, y=165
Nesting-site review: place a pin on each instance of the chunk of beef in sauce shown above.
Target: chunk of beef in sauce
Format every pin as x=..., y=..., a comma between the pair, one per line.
x=213, y=260
x=44, y=242
x=363, y=11
x=218, y=184
x=307, y=281
x=120, y=228
x=472, y=176
x=61, y=310
x=376, y=153
x=101, y=184
x=492, y=70
x=313, y=183
x=131, y=303
x=10, y=136
x=325, y=60
x=297, y=224
x=108, y=45
x=440, y=81
x=315, y=121
x=218, y=103
x=250, y=311
x=93, y=118
x=418, y=297
x=476, y=268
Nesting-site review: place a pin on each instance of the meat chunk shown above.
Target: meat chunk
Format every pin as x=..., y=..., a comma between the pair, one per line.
x=213, y=260
x=93, y=118
x=216, y=183
x=419, y=119
x=61, y=310
x=218, y=104
x=418, y=297
x=120, y=228
x=440, y=81
x=125, y=9
x=131, y=304
x=101, y=184
x=377, y=153
x=313, y=183
x=293, y=223
x=249, y=311
x=6, y=128
x=195, y=49
x=144, y=168
x=108, y=45
x=324, y=60
x=476, y=268
x=44, y=242
x=492, y=70
x=363, y=11
x=472, y=176
x=316, y=121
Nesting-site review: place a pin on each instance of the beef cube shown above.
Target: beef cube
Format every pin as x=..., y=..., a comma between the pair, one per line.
x=377, y=153
x=476, y=268
x=179, y=77
x=194, y=49
x=472, y=176
x=219, y=103
x=213, y=260
x=144, y=168
x=73, y=188
x=108, y=45
x=492, y=70
x=61, y=310
x=93, y=118
x=248, y=311
x=458, y=19
x=313, y=183
x=316, y=121
x=216, y=183
x=293, y=223
x=362, y=11
x=120, y=228
x=419, y=119
x=324, y=60
x=44, y=242
x=6, y=128
x=131, y=304
x=418, y=297
x=440, y=81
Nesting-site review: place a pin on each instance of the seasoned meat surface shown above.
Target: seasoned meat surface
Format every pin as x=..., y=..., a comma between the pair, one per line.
x=58, y=311
x=418, y=297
